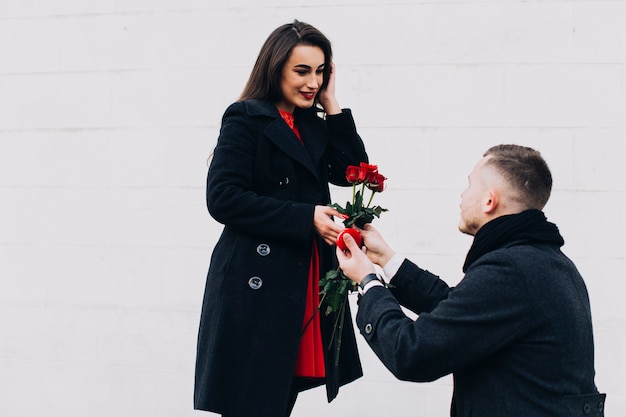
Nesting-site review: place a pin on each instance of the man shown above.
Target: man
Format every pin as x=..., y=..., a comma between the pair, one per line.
x=516, y=332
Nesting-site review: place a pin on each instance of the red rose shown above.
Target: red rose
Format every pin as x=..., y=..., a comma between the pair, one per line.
x=352, y=174
x=366, y=170
x=376, y=183
x=335, y=286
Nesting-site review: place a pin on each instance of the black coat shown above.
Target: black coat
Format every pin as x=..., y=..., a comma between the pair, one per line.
x=516, y=333
x=263, y=185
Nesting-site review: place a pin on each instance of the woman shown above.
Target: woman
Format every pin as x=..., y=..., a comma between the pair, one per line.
x=261, y=340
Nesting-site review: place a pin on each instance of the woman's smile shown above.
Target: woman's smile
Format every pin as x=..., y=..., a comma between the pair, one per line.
x=302, y=77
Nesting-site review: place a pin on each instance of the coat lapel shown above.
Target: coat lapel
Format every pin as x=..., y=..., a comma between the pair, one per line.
x=283, y=137
x=279, y=133
x=314, y=140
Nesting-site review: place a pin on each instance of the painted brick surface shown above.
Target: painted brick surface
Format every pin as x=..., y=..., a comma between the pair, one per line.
x=109, y=110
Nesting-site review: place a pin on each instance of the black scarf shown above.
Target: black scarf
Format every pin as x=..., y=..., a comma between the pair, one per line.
x=529, y=225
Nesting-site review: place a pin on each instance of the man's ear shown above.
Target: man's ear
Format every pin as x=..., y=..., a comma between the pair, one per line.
x=491, y=202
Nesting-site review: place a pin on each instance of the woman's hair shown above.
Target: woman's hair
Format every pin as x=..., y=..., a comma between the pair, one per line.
x=265, y=78
x=525, y=170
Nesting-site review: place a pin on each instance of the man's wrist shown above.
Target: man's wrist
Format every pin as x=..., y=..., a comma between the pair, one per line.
x=385, y=260
x=369, y=281
x=391, y=267
x=368, y=278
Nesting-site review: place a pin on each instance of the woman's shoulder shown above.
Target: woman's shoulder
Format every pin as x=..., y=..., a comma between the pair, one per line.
x=253, y=107
x=312, y=114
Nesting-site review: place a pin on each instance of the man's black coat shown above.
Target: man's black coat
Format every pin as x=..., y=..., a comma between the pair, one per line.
x=516, y=332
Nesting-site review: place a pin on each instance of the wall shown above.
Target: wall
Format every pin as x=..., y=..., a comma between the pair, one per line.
x=109, y=109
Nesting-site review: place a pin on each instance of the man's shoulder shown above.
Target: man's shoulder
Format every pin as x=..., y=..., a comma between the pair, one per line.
x=520, y=253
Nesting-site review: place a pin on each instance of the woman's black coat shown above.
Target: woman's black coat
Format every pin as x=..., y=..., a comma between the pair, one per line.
x=263, y=185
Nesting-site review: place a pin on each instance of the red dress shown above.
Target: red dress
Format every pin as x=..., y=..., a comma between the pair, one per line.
x=310, y=360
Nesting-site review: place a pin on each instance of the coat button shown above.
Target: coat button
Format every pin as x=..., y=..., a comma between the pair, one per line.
x=586, y=408
x=601, y=406
x=255, y=283
x=368, y=328
x=263, y=249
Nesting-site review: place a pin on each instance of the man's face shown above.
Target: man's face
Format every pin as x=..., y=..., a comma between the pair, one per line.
x=473, y=199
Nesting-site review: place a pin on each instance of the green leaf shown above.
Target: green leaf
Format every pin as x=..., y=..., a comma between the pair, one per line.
x=378, y=210
x=363, y=219
x=335, y=286
x=338, y=208
x=332, y=274
x=358, y=200
x=334, y=298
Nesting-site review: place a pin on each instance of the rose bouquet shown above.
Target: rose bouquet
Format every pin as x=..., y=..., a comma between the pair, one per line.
x=335, y=285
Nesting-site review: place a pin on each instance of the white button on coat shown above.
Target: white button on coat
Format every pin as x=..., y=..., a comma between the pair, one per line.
x=263, y=249
x=255, y=283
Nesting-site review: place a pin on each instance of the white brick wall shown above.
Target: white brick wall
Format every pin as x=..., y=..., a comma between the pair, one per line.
x=109, y=108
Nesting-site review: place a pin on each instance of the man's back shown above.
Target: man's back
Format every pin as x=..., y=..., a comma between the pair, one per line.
x=516, y=332
x=545, y=363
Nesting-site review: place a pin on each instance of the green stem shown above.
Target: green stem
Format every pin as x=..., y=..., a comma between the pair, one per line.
x=342, y=314
x=319, y=306
x=330, y=343
x=371, y=198
x=353, y=192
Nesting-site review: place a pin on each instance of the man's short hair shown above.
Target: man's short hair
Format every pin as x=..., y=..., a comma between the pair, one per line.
x=525, y=170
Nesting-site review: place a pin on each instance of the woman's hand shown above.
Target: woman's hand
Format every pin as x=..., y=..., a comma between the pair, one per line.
x=324, y=224
x=378, y=251
x=327, y=99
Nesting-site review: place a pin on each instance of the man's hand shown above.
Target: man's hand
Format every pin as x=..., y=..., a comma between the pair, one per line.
x=354, y=262
x=378, y=251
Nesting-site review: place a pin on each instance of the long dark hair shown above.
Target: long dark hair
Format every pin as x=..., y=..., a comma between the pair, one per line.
x=265, y=78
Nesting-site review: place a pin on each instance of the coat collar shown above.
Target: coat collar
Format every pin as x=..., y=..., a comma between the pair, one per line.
x=528, y=226
x=283, y=137
x=261, y=108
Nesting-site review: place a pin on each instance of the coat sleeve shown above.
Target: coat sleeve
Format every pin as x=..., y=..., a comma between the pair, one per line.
x=230, y=194
x=345, y=146
x=417, y=289
x=486, y=312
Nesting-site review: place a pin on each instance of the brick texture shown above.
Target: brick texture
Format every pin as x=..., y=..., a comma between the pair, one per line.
x=109, y=110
